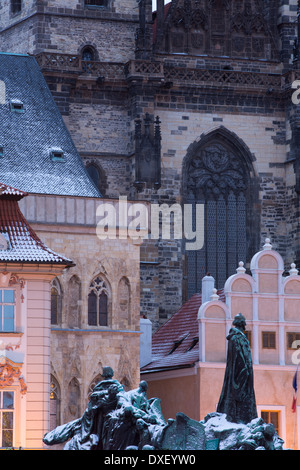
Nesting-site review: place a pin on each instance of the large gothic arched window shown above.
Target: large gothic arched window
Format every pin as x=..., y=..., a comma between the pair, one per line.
x=219, y=175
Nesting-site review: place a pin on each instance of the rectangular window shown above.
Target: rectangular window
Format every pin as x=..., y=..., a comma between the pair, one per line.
x=16, y=6
x=269, y=339
x=6, y=418
x=96, y=3
x=271, y=417
x=7, y=310
x=293, y=340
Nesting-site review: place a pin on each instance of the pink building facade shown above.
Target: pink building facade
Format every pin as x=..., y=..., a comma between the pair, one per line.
x=27, y=267
x=269, y=298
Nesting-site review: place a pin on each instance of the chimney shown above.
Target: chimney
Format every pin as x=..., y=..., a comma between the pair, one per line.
x=145, y=342
x=208, y=285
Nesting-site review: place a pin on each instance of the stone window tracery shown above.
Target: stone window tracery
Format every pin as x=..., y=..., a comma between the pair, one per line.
x=98, y=302
x=218, y=176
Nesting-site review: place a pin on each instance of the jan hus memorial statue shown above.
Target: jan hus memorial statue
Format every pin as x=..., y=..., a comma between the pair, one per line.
x=237, y=398
x=116, y=419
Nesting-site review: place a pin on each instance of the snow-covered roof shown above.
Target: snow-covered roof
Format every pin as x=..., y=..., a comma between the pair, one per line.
x=28, y=134
x=19, y=242
x=175, y=343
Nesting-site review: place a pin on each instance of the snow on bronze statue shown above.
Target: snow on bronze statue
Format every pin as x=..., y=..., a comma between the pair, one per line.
x=120, y=420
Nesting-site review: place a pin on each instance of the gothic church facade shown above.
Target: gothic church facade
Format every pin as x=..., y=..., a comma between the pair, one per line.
x=191, y=104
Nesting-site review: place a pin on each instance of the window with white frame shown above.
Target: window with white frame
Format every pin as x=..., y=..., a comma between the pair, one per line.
x=7, y=310
x=6, y=418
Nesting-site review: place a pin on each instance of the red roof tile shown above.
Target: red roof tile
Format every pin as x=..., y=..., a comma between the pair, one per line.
x=178, y=334
x=23, y=243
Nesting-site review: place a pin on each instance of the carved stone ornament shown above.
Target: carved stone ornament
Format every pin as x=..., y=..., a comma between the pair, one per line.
x=219, y=27
x=9, y=371
x=215, y=170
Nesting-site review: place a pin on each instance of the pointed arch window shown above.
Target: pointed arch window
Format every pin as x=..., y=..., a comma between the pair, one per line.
x=56, y=302
x=98, y=303
x=98, y=176
x=219, y=175
x=55, y=398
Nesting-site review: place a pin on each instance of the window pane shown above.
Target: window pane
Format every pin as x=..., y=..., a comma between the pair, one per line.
x=8, y=400
x=0, y=295
x=7, y=438
x=54, y=304
x=7, y=420
x=8, y=296
x=8, y=318
x=103, y=309
x=265, y=416
x=92, y=309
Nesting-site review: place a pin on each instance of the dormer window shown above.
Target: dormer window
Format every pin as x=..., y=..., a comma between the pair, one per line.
x=17, y=106
x=57, y=155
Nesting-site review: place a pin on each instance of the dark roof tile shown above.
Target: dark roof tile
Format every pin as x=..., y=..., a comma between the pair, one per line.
x=28, y=137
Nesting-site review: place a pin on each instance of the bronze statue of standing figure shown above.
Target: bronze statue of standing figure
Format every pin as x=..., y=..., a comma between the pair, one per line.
x=237, y=399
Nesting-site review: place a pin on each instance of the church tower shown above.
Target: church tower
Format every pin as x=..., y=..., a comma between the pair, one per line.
x=191, y=104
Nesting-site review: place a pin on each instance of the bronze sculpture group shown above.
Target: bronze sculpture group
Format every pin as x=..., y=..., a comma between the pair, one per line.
x=116, y=419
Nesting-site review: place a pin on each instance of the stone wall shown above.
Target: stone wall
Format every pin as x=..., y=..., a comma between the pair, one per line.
x=68, y=226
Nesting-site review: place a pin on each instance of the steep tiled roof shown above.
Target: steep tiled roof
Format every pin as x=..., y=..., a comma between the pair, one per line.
x=174, y=344
x=23, y=244
x=28, y=135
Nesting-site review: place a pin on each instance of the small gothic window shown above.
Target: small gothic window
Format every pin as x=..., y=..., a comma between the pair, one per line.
x=74, y=302
x=88, y=54
x=16, y=6
x=73, y=409
x=54, y=403
x=55, y=302
x=98, y=303
x=98, y=177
